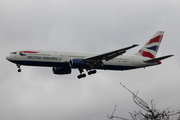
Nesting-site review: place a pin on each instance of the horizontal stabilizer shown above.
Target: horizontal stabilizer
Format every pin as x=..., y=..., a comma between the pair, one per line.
x=157, y=59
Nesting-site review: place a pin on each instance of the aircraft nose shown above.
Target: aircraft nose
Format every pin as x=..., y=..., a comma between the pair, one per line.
x=7, y=57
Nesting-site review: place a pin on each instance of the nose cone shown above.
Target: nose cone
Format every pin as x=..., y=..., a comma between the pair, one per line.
x=7, y=57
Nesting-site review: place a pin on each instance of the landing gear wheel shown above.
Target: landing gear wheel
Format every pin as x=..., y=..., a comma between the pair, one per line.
x=92, y=72
x=19, y=70
x=89, y=73
x=18, y=66
x=81, y=76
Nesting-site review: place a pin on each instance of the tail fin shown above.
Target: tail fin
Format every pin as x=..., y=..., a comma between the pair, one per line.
x=150, y=49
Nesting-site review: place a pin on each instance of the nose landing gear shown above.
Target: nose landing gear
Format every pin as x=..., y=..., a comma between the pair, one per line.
x=19, y=70
x=18, y=66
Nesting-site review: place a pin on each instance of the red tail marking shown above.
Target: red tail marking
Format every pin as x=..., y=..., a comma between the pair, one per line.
x=156, y=39
x=146, y=54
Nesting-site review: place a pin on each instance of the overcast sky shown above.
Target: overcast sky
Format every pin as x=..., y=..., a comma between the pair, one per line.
x=86, y=26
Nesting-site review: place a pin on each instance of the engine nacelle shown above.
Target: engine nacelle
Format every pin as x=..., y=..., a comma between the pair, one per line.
x=77, y=63
x=61, y=70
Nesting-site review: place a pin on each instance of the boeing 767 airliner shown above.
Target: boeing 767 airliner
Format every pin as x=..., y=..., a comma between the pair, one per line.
x=63, y=62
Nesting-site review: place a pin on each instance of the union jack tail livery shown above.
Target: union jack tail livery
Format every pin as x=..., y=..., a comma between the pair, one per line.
x=151, y=47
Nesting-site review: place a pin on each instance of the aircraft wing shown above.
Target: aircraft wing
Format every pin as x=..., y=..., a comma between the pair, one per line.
x=109, y=55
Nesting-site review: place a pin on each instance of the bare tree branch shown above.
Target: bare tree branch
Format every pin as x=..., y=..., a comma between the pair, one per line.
x=151, y=113
x=112, y=115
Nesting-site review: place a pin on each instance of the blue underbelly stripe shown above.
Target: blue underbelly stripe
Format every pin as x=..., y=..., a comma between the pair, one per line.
x=59, y=64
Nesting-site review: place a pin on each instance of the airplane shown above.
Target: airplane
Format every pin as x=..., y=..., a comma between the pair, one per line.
x=63, y=62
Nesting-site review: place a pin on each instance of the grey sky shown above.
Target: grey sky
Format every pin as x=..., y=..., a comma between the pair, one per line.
x=86, y=26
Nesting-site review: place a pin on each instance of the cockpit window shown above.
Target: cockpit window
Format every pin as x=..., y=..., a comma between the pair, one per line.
x=13, y=52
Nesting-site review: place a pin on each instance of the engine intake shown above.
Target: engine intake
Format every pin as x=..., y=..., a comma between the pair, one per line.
x=61, y=70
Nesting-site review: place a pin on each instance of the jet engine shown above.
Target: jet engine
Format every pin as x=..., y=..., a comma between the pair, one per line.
x=77, y=63
x=61, y=70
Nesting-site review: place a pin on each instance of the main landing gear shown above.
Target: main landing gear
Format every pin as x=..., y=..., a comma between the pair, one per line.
x=18, y=66
x=84, y=75
x=81, y=75
x=92, y=72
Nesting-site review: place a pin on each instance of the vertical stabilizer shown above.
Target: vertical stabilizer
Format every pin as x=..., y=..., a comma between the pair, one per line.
x=150, y=49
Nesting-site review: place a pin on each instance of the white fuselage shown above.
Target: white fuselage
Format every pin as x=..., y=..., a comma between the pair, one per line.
x=61, y=59
x=64, y=62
